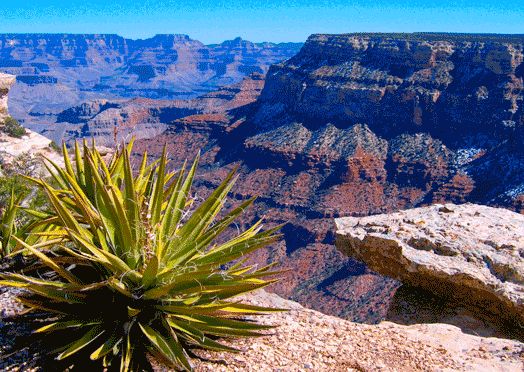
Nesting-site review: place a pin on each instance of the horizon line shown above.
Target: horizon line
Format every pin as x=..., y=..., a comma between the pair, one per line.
x=377, y=33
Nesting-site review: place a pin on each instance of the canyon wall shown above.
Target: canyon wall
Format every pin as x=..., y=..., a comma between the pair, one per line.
x=447, y=85
x=449, y=106
x=359, y=124
x=352, y=125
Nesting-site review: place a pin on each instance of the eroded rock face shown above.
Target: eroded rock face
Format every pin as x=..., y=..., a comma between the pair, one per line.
x=446, y=104
x=355, y=125
x=394, y=82
x=468, y=253
x=6, y=82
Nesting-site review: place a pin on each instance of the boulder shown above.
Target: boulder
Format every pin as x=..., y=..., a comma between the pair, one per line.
x=469, y=254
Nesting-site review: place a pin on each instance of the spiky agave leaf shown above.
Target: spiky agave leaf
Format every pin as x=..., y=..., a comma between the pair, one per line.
x=8, y=228
x=127, y=270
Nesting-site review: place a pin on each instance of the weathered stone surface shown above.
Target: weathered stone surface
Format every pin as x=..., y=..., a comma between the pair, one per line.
x=468, y=253
x=6, y=82
x=21, y=152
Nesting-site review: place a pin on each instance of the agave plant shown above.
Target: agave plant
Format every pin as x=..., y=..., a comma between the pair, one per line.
x=130, y=267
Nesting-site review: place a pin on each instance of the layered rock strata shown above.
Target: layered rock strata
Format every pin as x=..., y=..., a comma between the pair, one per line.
x=56, y=71
x=364, y=124
x=352, y=125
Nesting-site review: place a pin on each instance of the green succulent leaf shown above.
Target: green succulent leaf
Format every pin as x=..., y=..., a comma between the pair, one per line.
x=82, y=342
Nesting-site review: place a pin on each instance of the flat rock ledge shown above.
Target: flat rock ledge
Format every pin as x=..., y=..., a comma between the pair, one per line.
x=308, y=340
x=470, y=254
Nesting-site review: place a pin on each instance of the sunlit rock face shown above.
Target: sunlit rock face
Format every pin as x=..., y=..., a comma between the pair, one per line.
x=447, y=85
x=6, y=82
x=469, y=255
x=450, y=106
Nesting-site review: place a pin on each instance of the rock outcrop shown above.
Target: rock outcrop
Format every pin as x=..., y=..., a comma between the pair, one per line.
x=6, y=82
x=308, y=340
x=25, y=151
x=469, y=254
x=24, y=155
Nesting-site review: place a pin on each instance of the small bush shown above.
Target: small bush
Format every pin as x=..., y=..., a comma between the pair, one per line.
x=53, y=146
x=12, y=127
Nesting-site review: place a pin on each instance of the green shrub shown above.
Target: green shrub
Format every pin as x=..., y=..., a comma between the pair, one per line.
x=133, y=268
x=53, y=146
x=12, y=127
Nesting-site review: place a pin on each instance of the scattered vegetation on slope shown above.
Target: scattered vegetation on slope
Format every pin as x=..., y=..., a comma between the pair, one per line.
x=12, y=127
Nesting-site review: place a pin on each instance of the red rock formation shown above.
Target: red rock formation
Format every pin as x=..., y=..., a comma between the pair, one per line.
x=456, y=190
x=427, y=135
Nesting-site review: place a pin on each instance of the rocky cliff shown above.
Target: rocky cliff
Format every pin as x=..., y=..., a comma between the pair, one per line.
x=363, y=124
x=398, y=83
x=462, y=93
x=352, y=125
x=57, y=71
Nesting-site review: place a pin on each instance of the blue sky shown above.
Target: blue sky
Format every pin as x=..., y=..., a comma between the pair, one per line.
x=216, y=20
